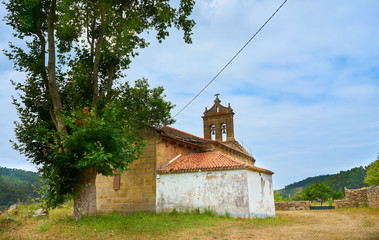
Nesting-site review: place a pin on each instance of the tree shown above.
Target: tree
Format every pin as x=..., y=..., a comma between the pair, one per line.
x=337, y=195
x=277, y=197
x=320, y=191
x=372, y=175
x=76, y=118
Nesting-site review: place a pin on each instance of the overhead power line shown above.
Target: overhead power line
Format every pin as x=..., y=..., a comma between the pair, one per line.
x=231, y=60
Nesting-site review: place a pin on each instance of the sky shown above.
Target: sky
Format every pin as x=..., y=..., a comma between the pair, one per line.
x=305, y=91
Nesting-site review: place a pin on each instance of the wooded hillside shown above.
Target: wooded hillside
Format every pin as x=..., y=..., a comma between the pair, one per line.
x=17, y=185
x=350, y=179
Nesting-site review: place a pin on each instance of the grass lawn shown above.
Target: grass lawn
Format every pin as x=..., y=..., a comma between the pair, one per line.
x=354, y=223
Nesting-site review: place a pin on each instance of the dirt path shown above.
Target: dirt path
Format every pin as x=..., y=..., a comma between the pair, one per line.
x=330, y=224
x=304, y=225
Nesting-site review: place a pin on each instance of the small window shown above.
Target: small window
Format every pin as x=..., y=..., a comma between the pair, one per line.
x=217, y=109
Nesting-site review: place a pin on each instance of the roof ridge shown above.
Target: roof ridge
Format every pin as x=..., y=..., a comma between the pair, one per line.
x=189, y=134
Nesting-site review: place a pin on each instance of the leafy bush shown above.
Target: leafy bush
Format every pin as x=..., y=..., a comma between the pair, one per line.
x=338, y=195
x=372, y=175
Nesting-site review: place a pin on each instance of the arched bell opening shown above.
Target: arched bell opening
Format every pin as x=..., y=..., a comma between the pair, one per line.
x=212, y=129
x=223, y=132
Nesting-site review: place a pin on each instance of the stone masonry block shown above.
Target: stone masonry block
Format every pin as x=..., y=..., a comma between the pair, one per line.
x=144, y=166
x=150, y=171
x=149, y=182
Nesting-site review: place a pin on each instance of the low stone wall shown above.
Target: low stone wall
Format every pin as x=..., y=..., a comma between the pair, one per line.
x=373, y=197
x=292, y=206
x=363, y=197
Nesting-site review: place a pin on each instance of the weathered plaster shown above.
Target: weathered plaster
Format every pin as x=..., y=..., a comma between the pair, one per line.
x=261, y=194
x=222, y=191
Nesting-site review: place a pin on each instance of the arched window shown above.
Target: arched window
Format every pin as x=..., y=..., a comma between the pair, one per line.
x=212, y=129
x=223, y=132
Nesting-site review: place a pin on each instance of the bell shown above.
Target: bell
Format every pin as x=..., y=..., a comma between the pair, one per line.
x=223, y=130
x=213, y=132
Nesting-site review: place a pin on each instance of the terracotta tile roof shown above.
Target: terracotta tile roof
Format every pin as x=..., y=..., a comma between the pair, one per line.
x=206, y=161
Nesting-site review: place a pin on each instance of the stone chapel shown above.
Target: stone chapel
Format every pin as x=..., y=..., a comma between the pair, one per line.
x=182, y=171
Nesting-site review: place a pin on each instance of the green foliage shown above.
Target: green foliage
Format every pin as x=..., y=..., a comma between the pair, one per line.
x=297, y=197
x=195, y=211
x=329, y=202
x=350, y=179
x=299, y=186
x=17, y=186
x=174, y=211
x=338, y=195
x=210, y=211
x=108, y=138
x=319, y=191
x=372, y=176
x=277, y=197
x=89, y=120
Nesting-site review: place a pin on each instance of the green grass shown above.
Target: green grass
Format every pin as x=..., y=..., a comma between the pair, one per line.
x=60, y=225
x=152, y=224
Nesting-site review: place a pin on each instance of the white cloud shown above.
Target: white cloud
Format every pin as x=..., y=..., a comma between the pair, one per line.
x=305, y=91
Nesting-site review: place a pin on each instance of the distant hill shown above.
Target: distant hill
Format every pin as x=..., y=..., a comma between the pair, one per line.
x=17, y=185
x=350, y=179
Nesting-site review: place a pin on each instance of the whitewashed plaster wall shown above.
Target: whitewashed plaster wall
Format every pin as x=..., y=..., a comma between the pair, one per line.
x=223, y=191
x=220, y=190
x=261, y=194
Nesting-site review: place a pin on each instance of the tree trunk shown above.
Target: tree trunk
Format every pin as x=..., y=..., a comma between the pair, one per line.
x=96, y=65
x=110, y=80
x=85, y=197
x=52, y=81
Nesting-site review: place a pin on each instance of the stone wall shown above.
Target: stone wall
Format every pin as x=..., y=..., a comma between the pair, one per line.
x=291, y=206
x=373, y=196
x=137, y=185
x=362, y=197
